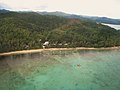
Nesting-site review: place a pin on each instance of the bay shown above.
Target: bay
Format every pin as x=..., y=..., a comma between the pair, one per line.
x=117, y=27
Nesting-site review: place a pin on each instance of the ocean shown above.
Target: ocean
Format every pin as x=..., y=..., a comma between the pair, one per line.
x=117, y=27
x=61, y=70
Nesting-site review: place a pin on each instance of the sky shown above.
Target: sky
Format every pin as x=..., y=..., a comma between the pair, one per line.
x=107, y=8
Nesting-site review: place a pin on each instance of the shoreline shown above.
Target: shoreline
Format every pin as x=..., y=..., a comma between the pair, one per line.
x=54, y=49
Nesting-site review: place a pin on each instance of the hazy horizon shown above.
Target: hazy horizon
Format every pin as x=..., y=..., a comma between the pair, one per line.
x=103, y=8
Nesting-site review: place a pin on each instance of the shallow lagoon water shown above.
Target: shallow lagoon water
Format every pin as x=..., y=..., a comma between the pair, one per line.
x=61, y=70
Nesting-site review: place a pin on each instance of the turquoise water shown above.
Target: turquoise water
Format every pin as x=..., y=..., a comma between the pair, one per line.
x=61, y=70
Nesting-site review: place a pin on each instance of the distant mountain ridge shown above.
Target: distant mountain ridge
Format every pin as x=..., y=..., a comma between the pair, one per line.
x=74, y=16
x=4, y=11
x=57, y=13
x=82, y=17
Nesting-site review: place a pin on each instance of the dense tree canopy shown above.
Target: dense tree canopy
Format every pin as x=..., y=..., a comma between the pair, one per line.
x=28, y=30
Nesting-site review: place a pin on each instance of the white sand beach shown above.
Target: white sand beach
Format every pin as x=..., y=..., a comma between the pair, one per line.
x=55, y=49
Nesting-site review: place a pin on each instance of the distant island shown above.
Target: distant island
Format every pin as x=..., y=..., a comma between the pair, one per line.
x=30, y=30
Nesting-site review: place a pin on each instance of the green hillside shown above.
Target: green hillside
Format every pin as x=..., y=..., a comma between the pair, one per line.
x=29, y=30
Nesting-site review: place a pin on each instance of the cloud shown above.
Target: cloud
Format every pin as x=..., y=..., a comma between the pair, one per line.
x=24, y=5
x=43, y=7
x=4, y=6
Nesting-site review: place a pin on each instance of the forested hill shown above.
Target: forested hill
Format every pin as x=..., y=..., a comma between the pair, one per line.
x=29, y=30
